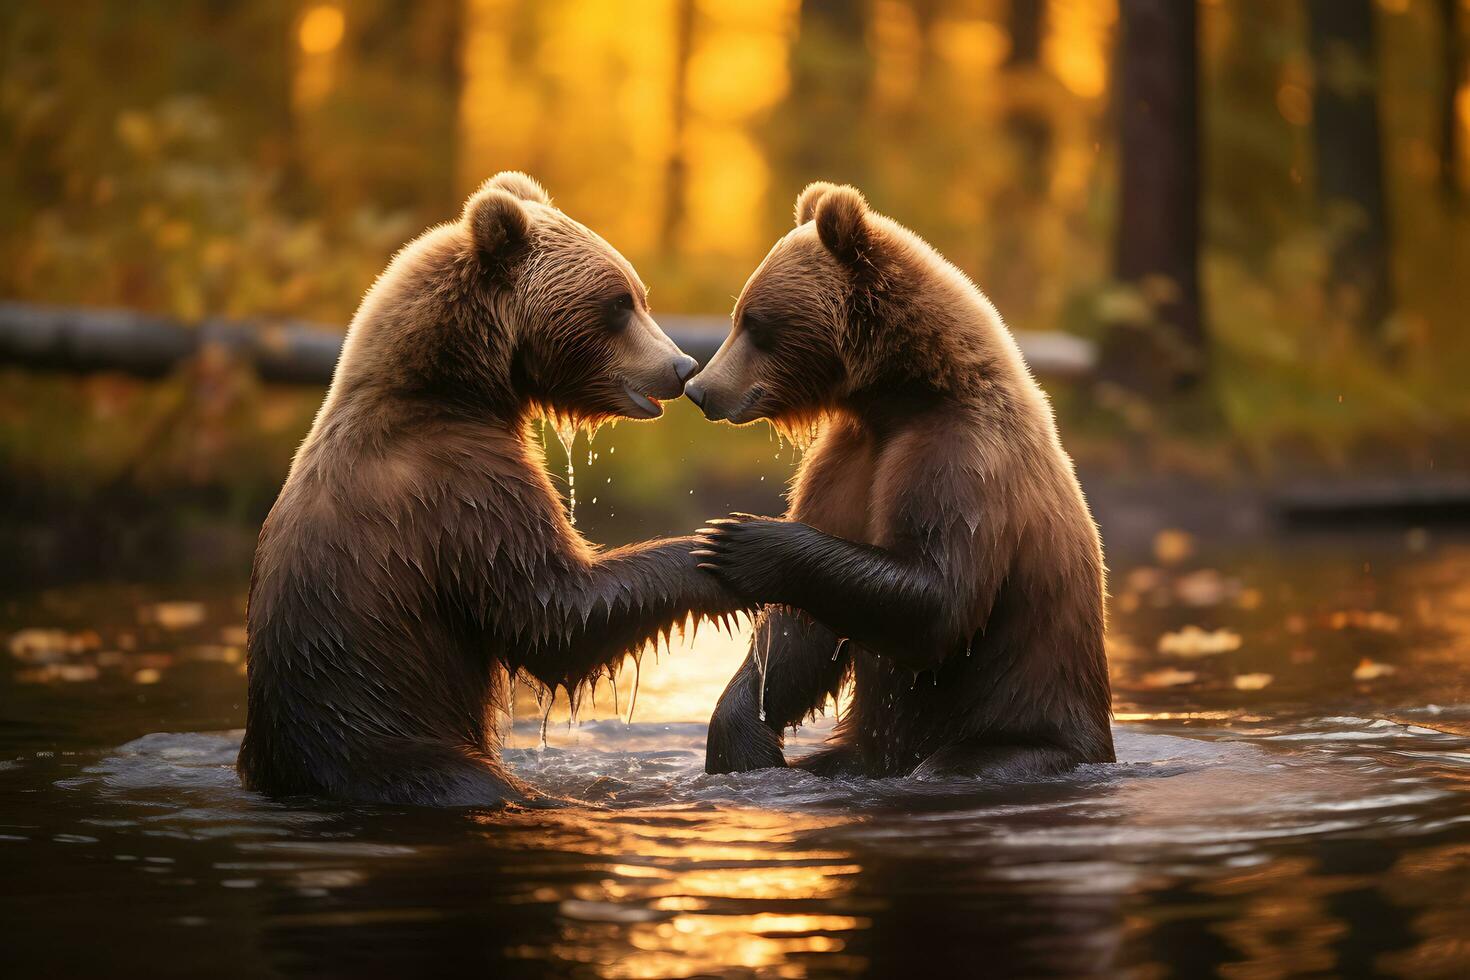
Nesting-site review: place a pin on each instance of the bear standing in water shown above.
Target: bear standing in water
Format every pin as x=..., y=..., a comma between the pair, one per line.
x=938, y=546
x=418, y=554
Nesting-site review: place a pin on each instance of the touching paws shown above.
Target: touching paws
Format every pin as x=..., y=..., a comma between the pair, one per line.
x=742, y=550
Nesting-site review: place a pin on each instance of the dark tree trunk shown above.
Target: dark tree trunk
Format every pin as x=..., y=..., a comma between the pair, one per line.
x=1158, y=214
x=1350, y=160
x=1012, y=270
x=822, y=120
x=1449, y=119
x=1026, y=122
x=677, y=170
x=1027, y=17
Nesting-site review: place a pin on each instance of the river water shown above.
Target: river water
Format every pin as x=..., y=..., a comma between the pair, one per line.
x=1292, y=795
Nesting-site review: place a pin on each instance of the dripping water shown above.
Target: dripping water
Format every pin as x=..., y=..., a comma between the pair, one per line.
x=633, y=698
x=566, y=434
x=762, y=658
x=546, y=715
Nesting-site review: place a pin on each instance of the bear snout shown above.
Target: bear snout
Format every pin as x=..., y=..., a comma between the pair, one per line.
x=695, y=392
x=684, y=367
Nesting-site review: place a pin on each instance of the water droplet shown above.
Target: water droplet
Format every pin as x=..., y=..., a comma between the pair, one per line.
x=633, y=698
x=762, y=655
x=566, y=434
x=546, y=715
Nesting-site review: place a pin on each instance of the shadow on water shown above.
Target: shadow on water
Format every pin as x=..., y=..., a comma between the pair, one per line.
x=1290, y=796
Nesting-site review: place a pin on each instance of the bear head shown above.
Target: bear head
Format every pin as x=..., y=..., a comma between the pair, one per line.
x=512, y=310
x=580, y=338
x=811, y=325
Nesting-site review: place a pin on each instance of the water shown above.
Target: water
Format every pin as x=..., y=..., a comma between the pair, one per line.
x=1296, y=803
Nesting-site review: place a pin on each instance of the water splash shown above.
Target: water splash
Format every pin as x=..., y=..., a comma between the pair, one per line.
x=546, y=714
x=633, y=698
x=566, y=434
x=510, y=703
x=762, y=655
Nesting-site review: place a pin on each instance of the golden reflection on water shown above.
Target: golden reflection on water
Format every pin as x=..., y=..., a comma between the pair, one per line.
x=678, y=682
x=676, y=898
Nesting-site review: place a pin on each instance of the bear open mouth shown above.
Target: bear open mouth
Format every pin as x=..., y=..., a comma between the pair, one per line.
x=641, y=406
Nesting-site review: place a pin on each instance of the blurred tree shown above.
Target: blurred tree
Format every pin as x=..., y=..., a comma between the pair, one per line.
x=1015, y=269
x=1026, y=20
x=831, y=72
x=676, y=171
x=1026, y=121
x=1350, y=160
x=1449, y=116
x=1257, y=95
x=1158, y=215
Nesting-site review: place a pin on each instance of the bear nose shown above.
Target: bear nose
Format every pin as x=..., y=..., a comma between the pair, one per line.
x=694, y=391
x=684, y=367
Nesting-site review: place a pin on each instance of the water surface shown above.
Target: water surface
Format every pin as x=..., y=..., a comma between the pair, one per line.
x=1290, y=796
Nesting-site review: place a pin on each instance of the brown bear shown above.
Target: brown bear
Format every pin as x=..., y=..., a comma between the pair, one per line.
x=937, y=548
x=418, y=554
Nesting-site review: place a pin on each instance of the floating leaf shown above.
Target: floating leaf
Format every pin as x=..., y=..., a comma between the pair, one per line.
x=1169, y=677
x=173, y=615
x=1365, y=619
x=1192, y=641
x=1252, y=682
x=1370, y=670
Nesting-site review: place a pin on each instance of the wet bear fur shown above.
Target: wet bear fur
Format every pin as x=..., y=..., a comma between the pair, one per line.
x=418, y=554
x=937, y=551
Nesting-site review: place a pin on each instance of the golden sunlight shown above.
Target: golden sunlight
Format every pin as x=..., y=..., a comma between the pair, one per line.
x=1077, y=45
x=321, y=29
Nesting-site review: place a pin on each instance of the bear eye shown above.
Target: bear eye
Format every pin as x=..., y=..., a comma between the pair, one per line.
x=761, y=330
x=618, y=310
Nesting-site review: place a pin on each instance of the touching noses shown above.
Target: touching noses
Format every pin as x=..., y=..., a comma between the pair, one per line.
x=694, y=391
x=684, y=367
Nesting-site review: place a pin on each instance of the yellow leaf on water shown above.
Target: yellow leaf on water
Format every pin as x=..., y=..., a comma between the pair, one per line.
x=1205, y=587
x=49, y=645
x=1369, y=670
x=1365, y=619
x=1252, y=682
x=148, y=675
x=1168, y=677
x=173, y=615
x=1192, y=641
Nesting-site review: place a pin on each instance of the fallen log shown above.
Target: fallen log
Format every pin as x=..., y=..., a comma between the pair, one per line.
x=85, y=339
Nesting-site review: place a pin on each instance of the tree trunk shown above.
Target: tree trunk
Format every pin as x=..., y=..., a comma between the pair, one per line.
x=1449, y=118
x=676, y=171
x=1027, y=17
x=1158, y=214
x=1350, y=161
x=822, y=120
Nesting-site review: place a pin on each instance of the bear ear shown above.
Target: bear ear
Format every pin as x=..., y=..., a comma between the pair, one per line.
x=498, y=225
x=841, y=217
x=809, y=198
x=518, y=185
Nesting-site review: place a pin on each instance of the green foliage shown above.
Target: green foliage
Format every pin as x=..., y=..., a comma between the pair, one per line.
x=204, y=159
